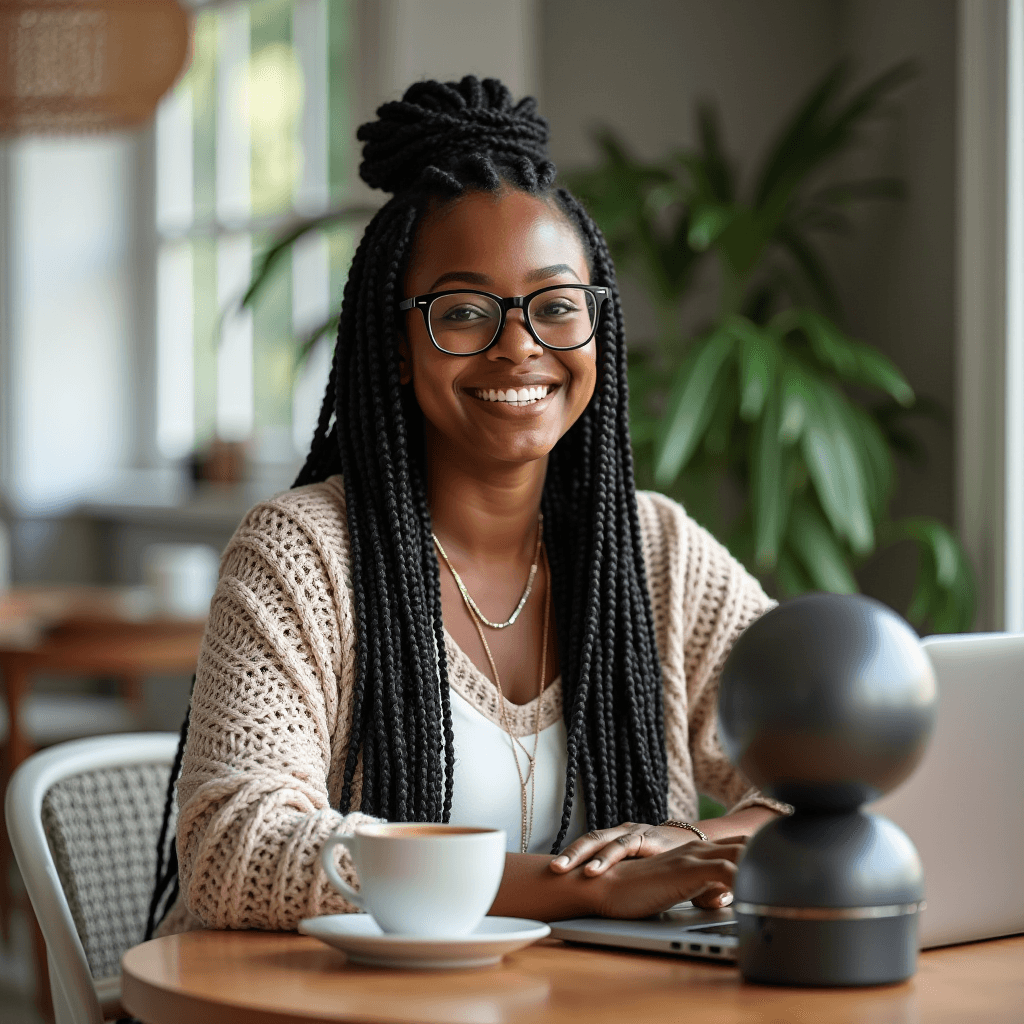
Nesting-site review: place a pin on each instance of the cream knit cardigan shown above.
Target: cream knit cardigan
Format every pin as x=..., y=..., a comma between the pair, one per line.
x=262, y=770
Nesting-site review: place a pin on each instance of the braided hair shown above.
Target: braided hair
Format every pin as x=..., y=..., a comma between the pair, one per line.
x=439, y=142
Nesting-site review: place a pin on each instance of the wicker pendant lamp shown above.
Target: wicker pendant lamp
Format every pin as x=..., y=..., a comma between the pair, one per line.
x=87, y=66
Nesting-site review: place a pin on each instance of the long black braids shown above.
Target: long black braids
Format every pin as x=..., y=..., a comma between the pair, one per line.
x=439, y=142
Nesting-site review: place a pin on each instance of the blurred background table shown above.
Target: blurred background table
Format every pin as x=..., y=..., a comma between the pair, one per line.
x=210, y=977
x=108, y=632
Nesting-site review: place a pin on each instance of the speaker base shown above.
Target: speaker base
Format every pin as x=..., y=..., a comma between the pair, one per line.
x=788, y=951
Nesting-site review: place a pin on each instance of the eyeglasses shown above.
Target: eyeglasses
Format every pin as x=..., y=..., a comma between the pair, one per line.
x=467, y=322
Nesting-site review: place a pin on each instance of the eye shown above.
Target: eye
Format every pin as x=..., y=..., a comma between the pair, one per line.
x=465, y=314
x=559, y=307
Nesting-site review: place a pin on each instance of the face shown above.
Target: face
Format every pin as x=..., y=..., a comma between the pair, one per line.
x=508, y=244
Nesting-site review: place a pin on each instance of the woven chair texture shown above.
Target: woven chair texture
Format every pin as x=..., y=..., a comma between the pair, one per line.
x=102, y=827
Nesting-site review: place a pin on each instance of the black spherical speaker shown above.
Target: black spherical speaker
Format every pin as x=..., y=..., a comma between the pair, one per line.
x=827, y=702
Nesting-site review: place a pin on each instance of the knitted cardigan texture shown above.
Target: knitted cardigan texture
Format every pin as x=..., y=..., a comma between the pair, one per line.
x=271, y=710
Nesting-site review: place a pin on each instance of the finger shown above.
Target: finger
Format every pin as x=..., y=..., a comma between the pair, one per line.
x=714, y=876
x=586, y=846
x=628, y=845
x=713, y=851
x=714, y=898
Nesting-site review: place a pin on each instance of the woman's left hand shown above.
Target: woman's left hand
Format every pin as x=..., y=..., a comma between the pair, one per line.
x=600, y=849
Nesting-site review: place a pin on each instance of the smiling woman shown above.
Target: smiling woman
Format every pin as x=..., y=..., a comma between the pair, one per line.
x=463, y=611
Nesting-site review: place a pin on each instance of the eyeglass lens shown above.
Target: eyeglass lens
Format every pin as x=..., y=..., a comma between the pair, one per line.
x=466, y=322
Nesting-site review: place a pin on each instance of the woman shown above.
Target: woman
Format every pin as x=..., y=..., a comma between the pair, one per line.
x=471, y=460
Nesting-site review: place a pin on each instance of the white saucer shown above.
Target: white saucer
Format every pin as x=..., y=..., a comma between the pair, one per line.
x=360, y=937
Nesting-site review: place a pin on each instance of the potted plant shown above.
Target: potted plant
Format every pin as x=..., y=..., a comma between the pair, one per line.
x=776, y=429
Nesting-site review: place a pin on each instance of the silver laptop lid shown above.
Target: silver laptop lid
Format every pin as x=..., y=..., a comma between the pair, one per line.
x=963, y=807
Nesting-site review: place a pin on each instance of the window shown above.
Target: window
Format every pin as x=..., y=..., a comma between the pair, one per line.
x=256, y=133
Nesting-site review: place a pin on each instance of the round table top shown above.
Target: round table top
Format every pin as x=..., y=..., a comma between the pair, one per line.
x=210, y=977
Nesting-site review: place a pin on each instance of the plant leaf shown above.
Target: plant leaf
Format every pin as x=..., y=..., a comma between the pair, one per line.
x=284, y=241
x=794, y=140
x=876, y=458
x=759, y=359
x=814, y=136
x=831, y=454
x=328, y=328
x=690, y=404
x=796, y=393
x=769, y=490
x=818, y=550
x=811, y=266
x=790, y=575
x=707, y=222
x=852, y=360
x=944, y=591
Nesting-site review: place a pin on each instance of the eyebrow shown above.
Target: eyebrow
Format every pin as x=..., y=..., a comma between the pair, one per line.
x=472, y=277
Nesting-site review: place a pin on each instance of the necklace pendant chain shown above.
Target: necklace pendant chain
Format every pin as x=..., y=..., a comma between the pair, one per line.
x=526, y=591
x=526, y=806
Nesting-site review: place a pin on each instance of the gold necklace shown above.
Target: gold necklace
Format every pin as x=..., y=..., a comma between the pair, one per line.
x=526, y=828
x=526, y=592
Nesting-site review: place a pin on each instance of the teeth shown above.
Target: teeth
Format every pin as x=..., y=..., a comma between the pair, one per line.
x=524, y=396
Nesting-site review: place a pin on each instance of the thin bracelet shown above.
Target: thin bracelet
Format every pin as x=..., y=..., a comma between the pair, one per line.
x=685, y=824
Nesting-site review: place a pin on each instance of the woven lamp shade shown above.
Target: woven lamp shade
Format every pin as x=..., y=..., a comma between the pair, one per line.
x=94, y=65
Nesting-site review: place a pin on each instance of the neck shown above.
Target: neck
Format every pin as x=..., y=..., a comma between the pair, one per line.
x=483, y=512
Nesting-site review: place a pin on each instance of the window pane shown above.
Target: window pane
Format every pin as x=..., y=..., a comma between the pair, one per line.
x=274, y=107
x=265, y=106
x=205, y=310
x=274, y=358
x=339, y=102
x=235, y=350
x=202, y=79
x=174, y=185
x=175, y=397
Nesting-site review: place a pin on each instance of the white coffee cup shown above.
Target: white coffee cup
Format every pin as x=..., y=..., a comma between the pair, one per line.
x=420, y=878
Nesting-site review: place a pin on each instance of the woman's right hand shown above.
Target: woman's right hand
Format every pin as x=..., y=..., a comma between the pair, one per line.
x=640, y=887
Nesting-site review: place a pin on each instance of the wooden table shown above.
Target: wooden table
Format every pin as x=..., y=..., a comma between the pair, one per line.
x=84, y=631
x=270, y=978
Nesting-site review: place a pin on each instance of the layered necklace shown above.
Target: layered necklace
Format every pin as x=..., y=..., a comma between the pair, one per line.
x=479, y=621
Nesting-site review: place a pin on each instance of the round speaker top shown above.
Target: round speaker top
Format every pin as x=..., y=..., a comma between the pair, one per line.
x=827, y=701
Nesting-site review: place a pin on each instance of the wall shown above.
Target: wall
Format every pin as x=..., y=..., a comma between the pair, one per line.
x=898, y=280
x=641, y=67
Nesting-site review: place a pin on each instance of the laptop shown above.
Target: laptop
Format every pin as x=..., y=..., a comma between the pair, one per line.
x=963, y=808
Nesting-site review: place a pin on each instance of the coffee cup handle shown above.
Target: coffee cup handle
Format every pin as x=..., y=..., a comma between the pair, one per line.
x=327, y=859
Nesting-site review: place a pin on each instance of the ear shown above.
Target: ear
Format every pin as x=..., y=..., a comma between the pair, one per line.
x=404, y=362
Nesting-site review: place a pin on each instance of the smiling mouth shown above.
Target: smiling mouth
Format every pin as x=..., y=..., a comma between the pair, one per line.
x=518, y=397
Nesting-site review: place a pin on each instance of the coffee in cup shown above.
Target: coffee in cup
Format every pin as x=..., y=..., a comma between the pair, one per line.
x=419, y=878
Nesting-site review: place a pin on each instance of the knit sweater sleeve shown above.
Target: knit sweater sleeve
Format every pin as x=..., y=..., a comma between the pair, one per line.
x=702, y=599
x=269, y=708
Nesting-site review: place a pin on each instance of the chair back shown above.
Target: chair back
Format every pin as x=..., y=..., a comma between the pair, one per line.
x=83, y=819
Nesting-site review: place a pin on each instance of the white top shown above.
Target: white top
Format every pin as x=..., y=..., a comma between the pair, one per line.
x=487, y=791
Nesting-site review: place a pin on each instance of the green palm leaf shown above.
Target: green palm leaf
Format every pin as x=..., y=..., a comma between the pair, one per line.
x=769, y=486
x=690, y=405
x=831, y=454
x=814, y=543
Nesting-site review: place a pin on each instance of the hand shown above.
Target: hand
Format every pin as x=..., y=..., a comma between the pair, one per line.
x=607, y=846
x=698, y=871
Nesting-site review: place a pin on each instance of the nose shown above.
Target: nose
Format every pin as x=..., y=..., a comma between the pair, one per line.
x=515, y=343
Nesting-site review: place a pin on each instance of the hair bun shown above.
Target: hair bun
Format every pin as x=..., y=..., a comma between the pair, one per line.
x=440, y=130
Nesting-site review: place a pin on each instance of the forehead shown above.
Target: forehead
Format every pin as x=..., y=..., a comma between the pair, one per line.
x=503, y=235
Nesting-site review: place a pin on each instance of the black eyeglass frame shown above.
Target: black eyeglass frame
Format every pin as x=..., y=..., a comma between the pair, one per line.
x=424, y=302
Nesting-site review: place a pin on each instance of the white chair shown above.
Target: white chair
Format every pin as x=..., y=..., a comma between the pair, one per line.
x=83, y=819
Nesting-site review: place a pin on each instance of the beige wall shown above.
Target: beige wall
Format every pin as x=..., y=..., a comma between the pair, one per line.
x=640, y=68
